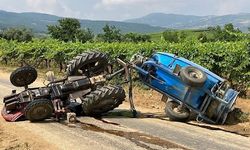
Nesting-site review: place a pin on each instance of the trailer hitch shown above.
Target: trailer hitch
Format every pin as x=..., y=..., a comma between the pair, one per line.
x=127, y=67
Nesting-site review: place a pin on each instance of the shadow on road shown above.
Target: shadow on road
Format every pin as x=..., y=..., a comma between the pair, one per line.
x=126, y=113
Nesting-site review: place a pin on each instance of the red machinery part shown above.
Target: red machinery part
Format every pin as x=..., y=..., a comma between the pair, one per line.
x=13, y=115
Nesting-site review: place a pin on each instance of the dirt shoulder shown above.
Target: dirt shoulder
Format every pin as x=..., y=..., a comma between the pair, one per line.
x=14, y=138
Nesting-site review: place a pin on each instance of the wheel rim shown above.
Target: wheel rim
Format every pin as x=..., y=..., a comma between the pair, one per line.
x=178, y=109
x=195, y=74
x=92, y=68
x=23, y=77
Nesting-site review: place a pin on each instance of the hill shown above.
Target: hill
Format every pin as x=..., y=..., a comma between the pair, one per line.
x=38, y=23
x=175, y=21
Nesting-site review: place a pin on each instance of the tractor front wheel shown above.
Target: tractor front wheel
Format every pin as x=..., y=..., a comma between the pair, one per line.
x=23, y=76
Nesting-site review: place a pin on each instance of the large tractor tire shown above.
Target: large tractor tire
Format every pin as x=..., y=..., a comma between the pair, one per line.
x=88, y=64
x=38, y=110
x=193, y=76
x=175, y=113
x=23, y=76
x=103, y=100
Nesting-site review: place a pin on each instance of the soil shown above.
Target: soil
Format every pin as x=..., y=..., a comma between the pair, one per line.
x=14, y=138
x=148, y=99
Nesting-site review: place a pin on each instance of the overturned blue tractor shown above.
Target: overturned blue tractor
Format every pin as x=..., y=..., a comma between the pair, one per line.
x=188, y=87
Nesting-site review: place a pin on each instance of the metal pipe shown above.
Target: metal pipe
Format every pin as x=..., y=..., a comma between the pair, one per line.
x=109, y=77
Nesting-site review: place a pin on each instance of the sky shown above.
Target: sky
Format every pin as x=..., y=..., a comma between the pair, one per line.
x=125, y=9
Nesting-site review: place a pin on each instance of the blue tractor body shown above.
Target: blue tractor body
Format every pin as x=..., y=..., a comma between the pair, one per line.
x=211, y=102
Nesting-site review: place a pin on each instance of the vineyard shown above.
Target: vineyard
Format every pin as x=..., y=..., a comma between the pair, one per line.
x=230, y=60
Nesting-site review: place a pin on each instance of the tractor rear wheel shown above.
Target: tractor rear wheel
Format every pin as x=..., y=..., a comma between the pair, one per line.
x=175, y=112
x=88, y=64
x=38, y=110
x=103, y=100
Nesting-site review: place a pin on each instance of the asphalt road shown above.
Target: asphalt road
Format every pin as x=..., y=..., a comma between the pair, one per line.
x=118, y=131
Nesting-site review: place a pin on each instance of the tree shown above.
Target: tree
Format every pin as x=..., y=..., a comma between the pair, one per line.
x=85, y=35
x=202, y=38
x=134, y=37
x=69, y=29
x=130, y=37
x=217, y=34
x=111, y=34
x=144, y=38
x=182, y=36
x=1, y=34
x=228, y=33
x=171, y=36
x=19, y=34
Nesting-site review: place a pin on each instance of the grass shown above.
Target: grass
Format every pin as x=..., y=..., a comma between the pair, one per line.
x=156, y=36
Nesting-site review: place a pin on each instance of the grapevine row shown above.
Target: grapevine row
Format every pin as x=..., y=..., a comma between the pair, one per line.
x=228, y=59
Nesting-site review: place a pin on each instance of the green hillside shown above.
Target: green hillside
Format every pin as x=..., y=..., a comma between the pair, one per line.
x=38, y=23
x=176, y=21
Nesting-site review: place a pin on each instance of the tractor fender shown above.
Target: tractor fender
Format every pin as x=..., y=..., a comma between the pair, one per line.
x=12, y=116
